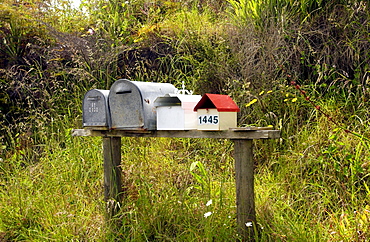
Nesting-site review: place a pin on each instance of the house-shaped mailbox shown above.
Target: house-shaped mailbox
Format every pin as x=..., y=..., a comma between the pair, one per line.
x=216, y=112
x=176, y=112
x=95, y=110
x=131, y=104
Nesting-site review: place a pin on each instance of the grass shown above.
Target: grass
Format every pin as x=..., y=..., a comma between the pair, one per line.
x=311, y=185
x=306, y=193
x=57, y=198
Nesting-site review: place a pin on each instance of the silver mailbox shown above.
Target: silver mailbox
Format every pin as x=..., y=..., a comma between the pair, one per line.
x=95, y=111
x=131, y=104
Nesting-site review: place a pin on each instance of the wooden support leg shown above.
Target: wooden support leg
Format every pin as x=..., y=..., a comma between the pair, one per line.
x=246, y=214
x=112, y=174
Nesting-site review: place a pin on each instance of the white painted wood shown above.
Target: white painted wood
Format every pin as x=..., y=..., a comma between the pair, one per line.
x=212, y=120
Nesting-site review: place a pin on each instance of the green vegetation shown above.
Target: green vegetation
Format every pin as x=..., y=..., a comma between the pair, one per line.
x=311, y=185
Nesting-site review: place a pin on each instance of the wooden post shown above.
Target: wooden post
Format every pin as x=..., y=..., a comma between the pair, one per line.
x=246, y=214
x=112, y=174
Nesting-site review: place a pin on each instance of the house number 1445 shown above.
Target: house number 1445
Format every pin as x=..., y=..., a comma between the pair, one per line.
x=208, y=119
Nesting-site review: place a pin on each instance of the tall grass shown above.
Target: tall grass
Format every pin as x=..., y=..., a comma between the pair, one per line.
x=56, y=198
x=60, y=196
x=311, y=185
x=307, y=192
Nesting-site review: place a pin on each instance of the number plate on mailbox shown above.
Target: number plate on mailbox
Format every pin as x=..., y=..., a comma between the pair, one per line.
x=208, y=119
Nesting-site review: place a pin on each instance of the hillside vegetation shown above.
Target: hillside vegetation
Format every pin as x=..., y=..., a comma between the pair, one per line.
x=300, y=66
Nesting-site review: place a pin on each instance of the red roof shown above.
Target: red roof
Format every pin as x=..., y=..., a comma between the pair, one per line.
x=223, y=103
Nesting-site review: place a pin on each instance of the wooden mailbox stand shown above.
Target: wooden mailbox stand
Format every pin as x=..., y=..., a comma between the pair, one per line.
x=243, y=156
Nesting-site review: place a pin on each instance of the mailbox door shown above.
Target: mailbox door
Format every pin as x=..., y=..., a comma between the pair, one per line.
x=95, y=108
x=170, y=118
x=126, y=106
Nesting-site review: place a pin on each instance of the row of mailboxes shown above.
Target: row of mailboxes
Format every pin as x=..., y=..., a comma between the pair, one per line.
x=132, y=105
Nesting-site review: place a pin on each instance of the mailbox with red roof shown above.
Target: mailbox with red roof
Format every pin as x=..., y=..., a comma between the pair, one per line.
x=216, y=112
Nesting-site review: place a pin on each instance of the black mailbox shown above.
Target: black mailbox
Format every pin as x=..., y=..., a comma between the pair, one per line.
x=131, y=104
x=95, y=111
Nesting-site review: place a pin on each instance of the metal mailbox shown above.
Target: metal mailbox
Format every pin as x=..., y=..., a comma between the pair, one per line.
x=216, y=112
x=95, y=111
x=175, y=112
x=131, y=104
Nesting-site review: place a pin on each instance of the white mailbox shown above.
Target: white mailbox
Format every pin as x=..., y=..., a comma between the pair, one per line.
x=176, y=112
x=216, y=112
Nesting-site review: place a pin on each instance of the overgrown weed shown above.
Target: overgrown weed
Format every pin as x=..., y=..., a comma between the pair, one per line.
x=308, y=183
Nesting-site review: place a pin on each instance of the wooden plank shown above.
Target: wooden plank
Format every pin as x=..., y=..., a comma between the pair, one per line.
x=112, y=174
x=226, y=134
x=244, y=178
x=238, y=129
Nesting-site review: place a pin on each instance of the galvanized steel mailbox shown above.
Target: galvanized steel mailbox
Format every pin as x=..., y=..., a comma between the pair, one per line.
x=216, y=112
x=131, y=104
x=175, y=112
x=95, y=111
